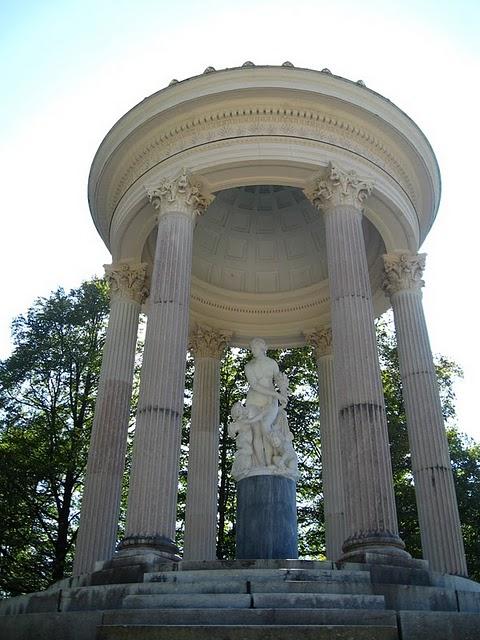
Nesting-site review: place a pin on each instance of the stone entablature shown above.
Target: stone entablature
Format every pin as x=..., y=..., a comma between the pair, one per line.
x=216, y=126
x=218, y=111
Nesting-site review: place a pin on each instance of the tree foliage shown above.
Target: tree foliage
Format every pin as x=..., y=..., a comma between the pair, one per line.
x=47, y=392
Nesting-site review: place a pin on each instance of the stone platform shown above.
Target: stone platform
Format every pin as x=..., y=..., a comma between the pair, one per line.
x=249, y=599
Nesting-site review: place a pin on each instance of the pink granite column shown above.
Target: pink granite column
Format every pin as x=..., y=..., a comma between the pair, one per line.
x=440, y=530
x=152, y=499
x=371, y=520
x=106, y=459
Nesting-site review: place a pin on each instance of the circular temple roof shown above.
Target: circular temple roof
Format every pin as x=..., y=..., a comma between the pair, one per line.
x=256, y=137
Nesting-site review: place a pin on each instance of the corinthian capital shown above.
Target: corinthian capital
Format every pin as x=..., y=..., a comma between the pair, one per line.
x=127, y=280
x=339, y=188
x=402, y=271
x=321, y=341
x=181, y=193
x=206, y=342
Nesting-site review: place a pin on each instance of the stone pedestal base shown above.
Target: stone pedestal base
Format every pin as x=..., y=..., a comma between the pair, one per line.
x=266, y=518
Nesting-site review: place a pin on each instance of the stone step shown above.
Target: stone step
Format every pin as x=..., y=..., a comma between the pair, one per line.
x=215, y=565
x=251, y=617
x=202, y=586
x=399, y=597
x=316, y=601
x=112, y=596
x=412, y=597
x=139, y=632
x=311, y=586
x=254, y=586
x=255, y=600
x=188, y=601
x=258, y=574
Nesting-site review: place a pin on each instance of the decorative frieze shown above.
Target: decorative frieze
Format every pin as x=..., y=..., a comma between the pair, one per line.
x=215, y=125
x=179, y=193
x=321, y=341
x=339, y=188
x=403, y=270
x=127, y=280
x=206, y=342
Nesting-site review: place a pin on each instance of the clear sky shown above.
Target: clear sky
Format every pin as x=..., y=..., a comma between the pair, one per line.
x=69, y=69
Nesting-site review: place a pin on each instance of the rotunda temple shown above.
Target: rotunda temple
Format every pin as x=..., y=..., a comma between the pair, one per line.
x=287, y=205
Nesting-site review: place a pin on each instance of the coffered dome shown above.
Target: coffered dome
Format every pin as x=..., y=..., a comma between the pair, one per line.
x=264, y=239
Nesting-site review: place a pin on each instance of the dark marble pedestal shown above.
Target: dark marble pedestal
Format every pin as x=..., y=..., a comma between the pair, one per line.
x=266, y=518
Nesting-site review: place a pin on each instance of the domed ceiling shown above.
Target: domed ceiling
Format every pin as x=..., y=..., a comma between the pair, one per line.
x=260, y=264
x=264, y=239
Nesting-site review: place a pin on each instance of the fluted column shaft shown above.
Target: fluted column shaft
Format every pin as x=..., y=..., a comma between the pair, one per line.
x=202, y=487
x=440, y=529
x=152, y=500
x=332, y=471
x=370, y=506
x=106, y=460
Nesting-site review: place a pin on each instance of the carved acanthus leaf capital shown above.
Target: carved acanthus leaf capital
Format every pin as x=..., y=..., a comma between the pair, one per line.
x=182, y=193
x=127, y=280
x=205, y=342
x=320, y=340
x=339, y=188
x=403, y=270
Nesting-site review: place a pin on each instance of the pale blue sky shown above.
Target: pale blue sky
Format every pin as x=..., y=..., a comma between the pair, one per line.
x=70, y=69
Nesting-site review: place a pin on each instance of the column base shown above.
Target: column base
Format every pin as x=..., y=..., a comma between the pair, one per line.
x=159, y=546
x=135, y=557
x=266, y=525
x=374, y=544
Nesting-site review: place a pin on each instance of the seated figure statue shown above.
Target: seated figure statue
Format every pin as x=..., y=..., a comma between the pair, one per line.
x=264, y=441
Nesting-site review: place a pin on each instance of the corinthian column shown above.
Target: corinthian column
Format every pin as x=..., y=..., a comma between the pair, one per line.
x=370, y=506
x=106, y=459
x=152, y=498
x=207, y=346
x=440, y=530
x=332, y=472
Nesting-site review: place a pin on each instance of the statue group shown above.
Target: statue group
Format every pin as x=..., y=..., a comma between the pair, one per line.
x=260, y=425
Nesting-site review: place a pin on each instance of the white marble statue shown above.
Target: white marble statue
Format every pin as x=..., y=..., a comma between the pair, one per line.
x=260, y=426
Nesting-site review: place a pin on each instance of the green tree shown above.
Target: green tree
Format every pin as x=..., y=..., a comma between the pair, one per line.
x=47, y=393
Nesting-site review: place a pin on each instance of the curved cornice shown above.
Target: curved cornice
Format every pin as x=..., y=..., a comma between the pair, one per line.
x=264, y=101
